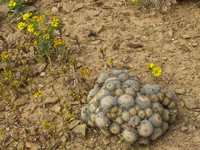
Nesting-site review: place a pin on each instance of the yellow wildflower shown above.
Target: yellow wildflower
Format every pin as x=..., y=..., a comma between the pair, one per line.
x=12, y=3
x=35, y=43
x=111, y=60
x=48, y=12
x=151, y=65
x=35, y=17
x=40, y=21
x=36, y=33
x=26, y=16
x=30, y=28
x=55, y=19
x=1, y=133
x=46, y=36
x=157, y=71
x=54, y=24
x=21, y=25
x=36, y=95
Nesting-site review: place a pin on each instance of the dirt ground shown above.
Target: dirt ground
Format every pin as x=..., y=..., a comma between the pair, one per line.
x=170, y=40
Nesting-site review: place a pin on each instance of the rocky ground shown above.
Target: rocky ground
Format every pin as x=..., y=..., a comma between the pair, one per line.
x=170, y=40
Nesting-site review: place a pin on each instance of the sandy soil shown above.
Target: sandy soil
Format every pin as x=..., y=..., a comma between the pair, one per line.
x=170, y=40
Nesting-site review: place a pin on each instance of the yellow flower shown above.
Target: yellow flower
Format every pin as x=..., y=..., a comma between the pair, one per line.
x=40, y=21
x=35, y=17
x=157, y=71
x=55, y=19
x=36, y=95
x=12, y=3
x=48, y=12
x=46, y=36
x=35, y=43
x=21, y=25
x=36, y=33
x=135, y=1
x=54, y=24
x=111, y=60
x=151, y=65
x=30, y=28
x=1, y=133
x=26, y=16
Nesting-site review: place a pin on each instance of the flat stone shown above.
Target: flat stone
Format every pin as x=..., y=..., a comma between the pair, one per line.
x=91, y=145
x=185, y=48
x=80, y=129
x=184, y=128
x=106, y=141
x=4, y=8
x=196, y=55
x=63, y=139
x=186, y=36
x=2, y=107
x=80, y=59
x=32, y=130
x=54, y=10
x=190, y=102
x=50, y=118
x=180, y=91
x=51, y=100
x=196, y=36
x=20, y=145
x=4, y=64
x=22, y=101
x=2, y=115
x=56, y=108
x=74, y=123
x=99, y=29
x=164, y=58
x=95, y=42
x=78, y=7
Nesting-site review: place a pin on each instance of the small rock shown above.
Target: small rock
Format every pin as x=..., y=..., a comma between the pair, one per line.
x=4, y=8
x=80, y=59
x=3, y=65
x=74, y=123
x=125, y=59
x=106, y=141
x=184, y=128
x=22, y=101
x=28, y=145
x=63, y=139
x=54, y=10
x=56, y=108
x=42, y=74
x=35, y=146
x=180, y=91
x=190, y=102
x=185, y=48
x=20, y=145
x=57, y=1
x=99, y=29
x=133, y=45
x=78, y=7
x=91, y=145
x=95, y=42
x=80, y=130
x=2, y=115
x=196, y=36
x=50, y=118
x=186, y=36
x=2, y=107
x=32, y=130
x=150, y=30
x=170, y=32
x=51, y=100
x=196, y=55
x=164, y=58
x=73, y=36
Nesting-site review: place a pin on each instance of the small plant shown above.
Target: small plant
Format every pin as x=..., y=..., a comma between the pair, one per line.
x=123, y=141
x=17, y=6
x=45, y=44
x=101, y=50
x=110, y=65
x=155, y=70
x=39, y=94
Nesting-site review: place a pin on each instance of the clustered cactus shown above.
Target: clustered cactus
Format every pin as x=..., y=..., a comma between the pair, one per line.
x=122, y=105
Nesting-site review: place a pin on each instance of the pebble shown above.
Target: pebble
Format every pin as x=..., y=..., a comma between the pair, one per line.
x=2, y=107
x=22, y=101
x=180, y=91
x=106, y=141
x=190, y=102
x=56, y=108
x=184, y=128
x=95, y=42
x=54, y=10
x=51, y=100
x=74, y=123
x=186, y=36
x=91, y=145
x=50, y=118
x=185, y=48
x=78, y=7
x=196, y=55
x=2, y=115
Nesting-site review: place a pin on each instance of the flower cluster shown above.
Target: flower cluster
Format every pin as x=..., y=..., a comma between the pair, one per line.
x=5, y=56
x=38, y=94
x=155, y=70
x=70, y=116
x=85, y=71
x=58, y=42
x=17, y=6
